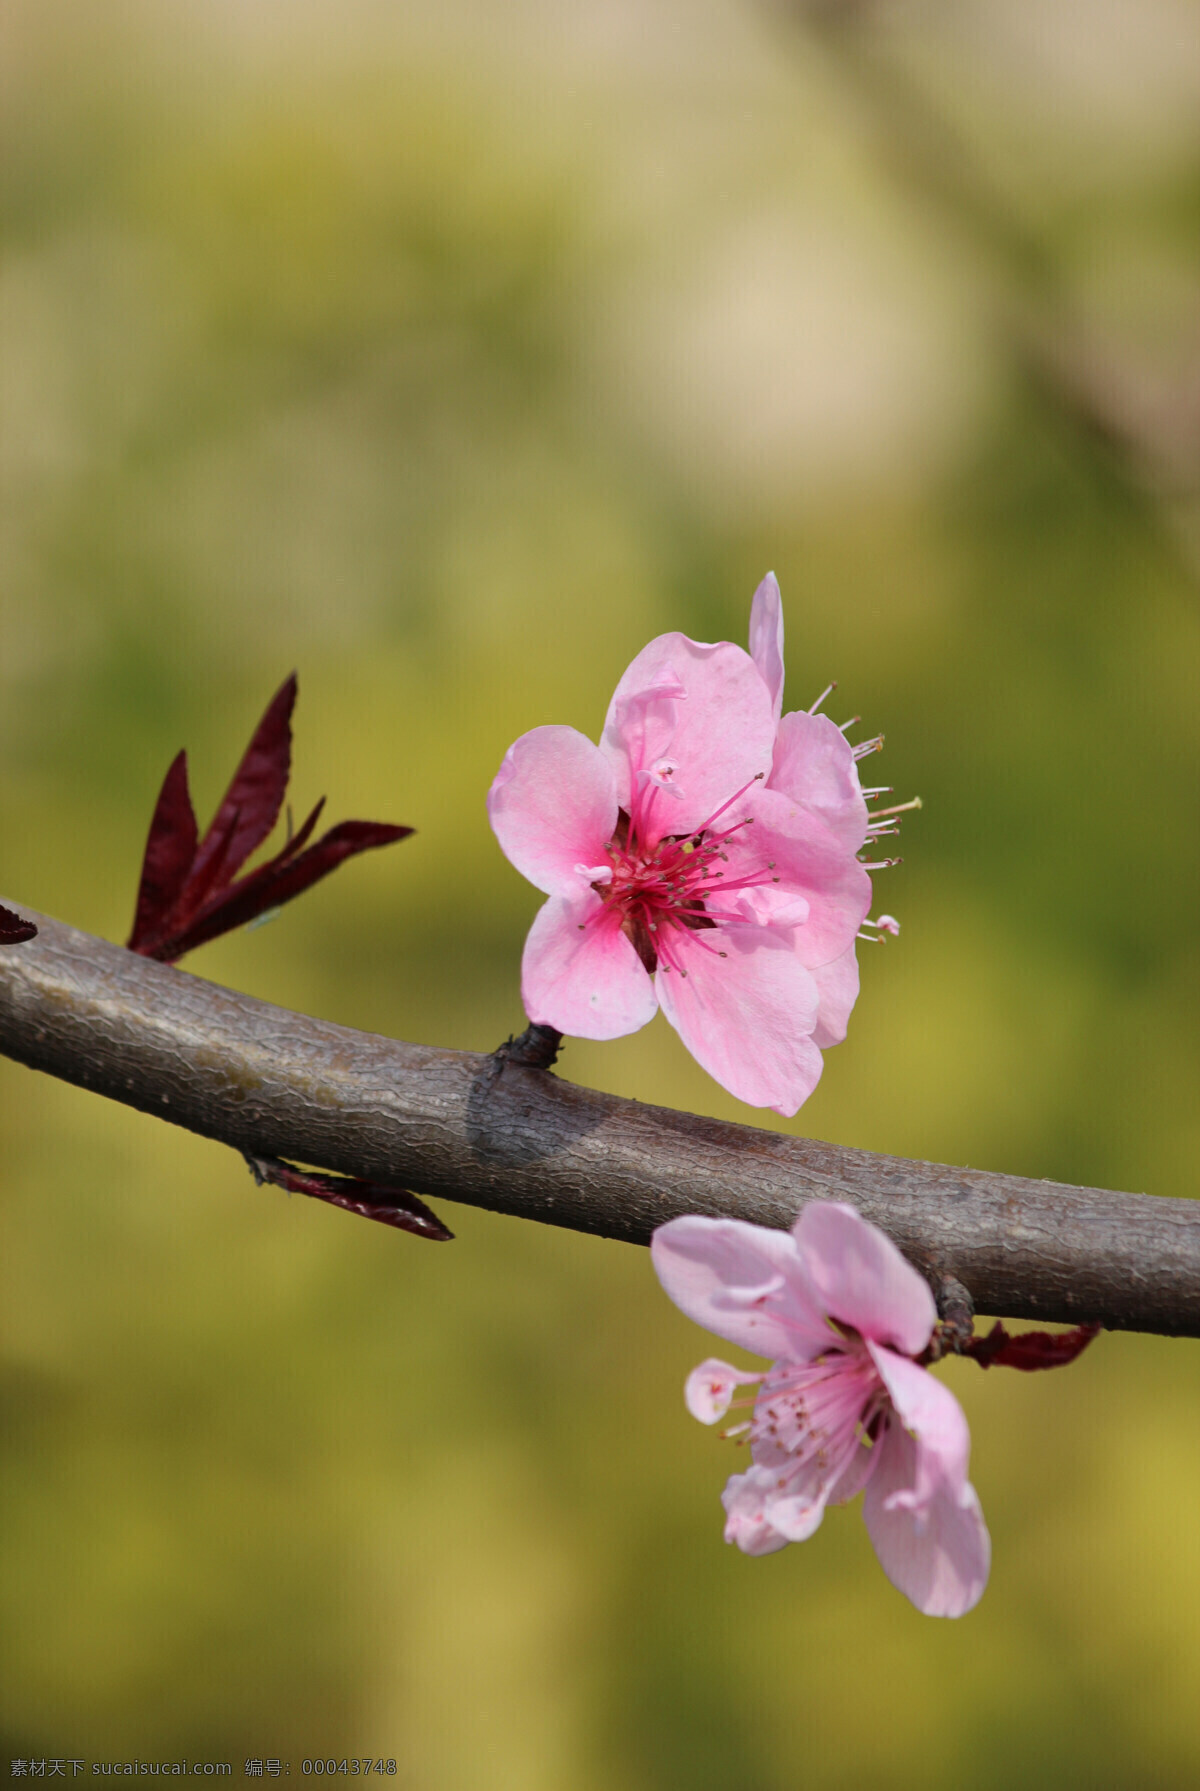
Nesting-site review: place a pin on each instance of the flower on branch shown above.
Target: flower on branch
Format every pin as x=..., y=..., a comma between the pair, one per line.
x=845, y=1406
x=703, y=858
x=188, y=893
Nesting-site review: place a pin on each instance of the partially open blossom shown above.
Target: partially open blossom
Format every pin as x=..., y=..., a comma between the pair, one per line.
x=703, y=858
x=844, y=1407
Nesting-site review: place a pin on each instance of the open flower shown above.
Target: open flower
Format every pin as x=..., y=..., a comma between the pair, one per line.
x=844, y=1408
x=702, y=859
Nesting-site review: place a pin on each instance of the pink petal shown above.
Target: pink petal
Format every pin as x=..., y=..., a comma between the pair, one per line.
x=814, y=765
x=837, y=986
x=710, y=1388
x=798, y=1505
x=938, y=1557
x=769, y=908
x=719, y=732
x=746, y=1522
x=856, y=1470
x=641, y=724
x=764, y=904
x=747, y=1017
x=553, y=806
x=863, y=1280
x=794, y=1493
x=766, y=638
x=929, y=1411
x=810, y=861
x=744, y=1282
x=580, y=974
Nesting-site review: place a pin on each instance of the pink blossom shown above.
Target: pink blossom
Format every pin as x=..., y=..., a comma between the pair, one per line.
x=844, y=1407
x=703, y=858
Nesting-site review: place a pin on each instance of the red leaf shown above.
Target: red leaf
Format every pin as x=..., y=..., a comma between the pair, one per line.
x=344, y=841
x=299, y=839
x=188, y=894
x=1030, y=1350
x=250, y=807
x=206, y=885
x=278, y=881
x=170, y=849
x=14, y=930
x=370, y=1200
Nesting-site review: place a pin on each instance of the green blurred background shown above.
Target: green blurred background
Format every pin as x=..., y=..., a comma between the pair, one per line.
x=446, y=353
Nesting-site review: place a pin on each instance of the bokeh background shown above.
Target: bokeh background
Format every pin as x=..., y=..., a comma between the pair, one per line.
x=446, y=353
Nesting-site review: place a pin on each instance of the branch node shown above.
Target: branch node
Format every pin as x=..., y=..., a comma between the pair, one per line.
x=956, y=1312
x=258, y=1169
x=535, y=1049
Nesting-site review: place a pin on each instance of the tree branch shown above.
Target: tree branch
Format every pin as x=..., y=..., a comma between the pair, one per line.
x=495, y=1134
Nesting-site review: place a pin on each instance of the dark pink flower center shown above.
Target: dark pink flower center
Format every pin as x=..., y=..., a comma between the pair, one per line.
x=663, y=884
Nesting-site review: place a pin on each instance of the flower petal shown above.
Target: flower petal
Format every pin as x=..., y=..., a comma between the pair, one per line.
x=766, y=638
x=810, y=861
x=553, y=806
x=939, y=1556
x=862, y=1278
x=746, y=1522
x=746, y=1017
x=766, y=906
x=580, y=974
x=710, y=1388
x=718, y=733
x=744, y=1282
x=928, y=1410
x=837, y=986
x=856, y=1470
x=797, y=1506
x=814, y=765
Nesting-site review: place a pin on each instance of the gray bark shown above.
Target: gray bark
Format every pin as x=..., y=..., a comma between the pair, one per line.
x=522, y=1141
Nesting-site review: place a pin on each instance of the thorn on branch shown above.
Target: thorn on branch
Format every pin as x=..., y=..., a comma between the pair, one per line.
x=370, y=1200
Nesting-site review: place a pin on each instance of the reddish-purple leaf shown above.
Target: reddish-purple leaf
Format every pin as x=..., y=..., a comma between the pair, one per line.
x=299, y=839
x=277, y=882
x=170, y=849
x=14, y=930
x=188, y=893
x=1030, y=1350
x=370, y=1200
x=250, y=806
x=212, y=906
x=232, y=904
x=204, y=887
x=344, y=841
